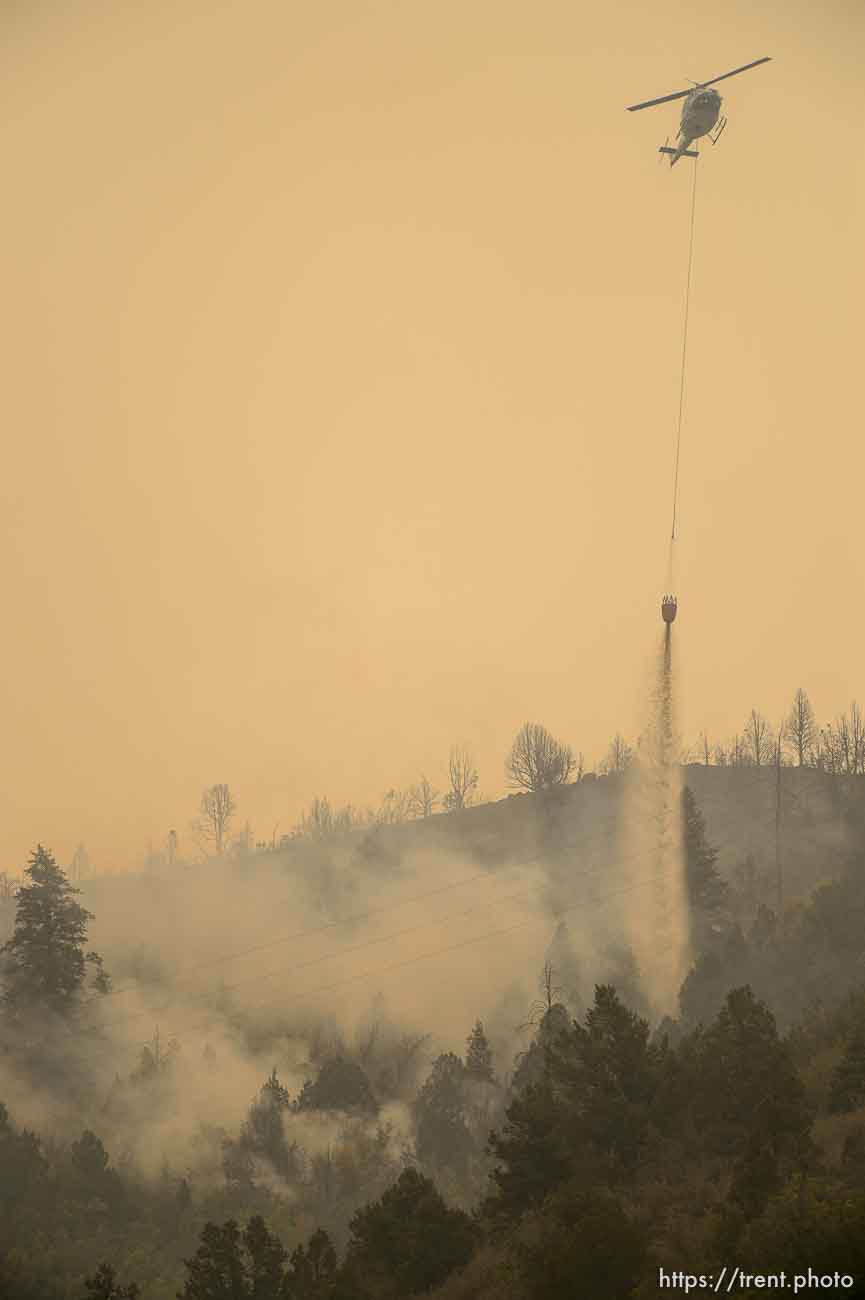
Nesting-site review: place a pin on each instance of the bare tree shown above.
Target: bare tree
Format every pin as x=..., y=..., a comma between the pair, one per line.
x=7, y=889
x=758, y=738
x=842, y=744
x=463, y=777
x=347, y=818
x=800, y=728
x=317, y=821
x=155, y=1057
x=322, y=819
x=551, y=993
x=537, y=760
x=171, y=848
x=423, y=798
x=216, y=812
x=618, y=756
x=393, y=809
x=857, y=738
x=827, y=750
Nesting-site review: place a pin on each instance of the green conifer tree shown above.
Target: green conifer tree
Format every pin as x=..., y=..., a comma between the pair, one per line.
x=341, y=1085
x=313, y=1268
x=847, y=1091
x=479, y=1057
x=407, y=1242
x=234, y=1265
x=103, y=1285
x=442, y=1136
x=46, y=961
x=705, y=888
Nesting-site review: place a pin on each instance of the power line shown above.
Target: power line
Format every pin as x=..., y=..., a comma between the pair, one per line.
x=438, y=952
x=368, y=943
x=294, y=937
x=610, y=832
x=288, y=970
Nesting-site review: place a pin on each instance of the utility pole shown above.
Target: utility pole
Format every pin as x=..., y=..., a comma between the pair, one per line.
x=779, y=875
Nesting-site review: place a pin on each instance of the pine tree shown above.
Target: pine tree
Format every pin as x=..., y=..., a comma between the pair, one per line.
x=442, y=1137
x=103, y=1285
x=218, y=1266
x=267, y=1258
x=589, y=1112
x=848, y=1082
x=46, y=958
x=705, y=888
x=530, y=1065
x=744, y=1091
x=234, y=1265
x=274, y=1092
x=341, y=1085
x=606, y=1069
x=479, y=1058
x=582, y=1244
x=407, y=1242
x=263, y=1133
x=312, y=1267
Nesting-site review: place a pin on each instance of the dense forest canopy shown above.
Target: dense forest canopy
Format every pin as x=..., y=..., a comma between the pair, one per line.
x=176, y=1127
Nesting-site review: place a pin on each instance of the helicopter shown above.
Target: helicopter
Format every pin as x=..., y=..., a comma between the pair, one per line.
x=700, y=113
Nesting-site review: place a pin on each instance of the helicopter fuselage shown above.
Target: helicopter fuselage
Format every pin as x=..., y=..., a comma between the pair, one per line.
x=699, y=113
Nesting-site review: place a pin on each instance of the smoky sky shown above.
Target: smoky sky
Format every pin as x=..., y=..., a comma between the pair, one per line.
x=341, y=350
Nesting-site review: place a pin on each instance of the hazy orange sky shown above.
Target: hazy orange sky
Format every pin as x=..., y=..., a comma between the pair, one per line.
x=341, y=369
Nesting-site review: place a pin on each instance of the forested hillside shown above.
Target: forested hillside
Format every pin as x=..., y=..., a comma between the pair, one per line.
x=205, y=1096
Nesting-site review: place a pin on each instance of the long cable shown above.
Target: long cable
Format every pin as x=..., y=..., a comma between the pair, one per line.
x=684, y=352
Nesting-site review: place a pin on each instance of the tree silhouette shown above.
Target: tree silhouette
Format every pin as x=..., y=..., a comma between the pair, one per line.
x=234, y=1265
x=341, y=1085
x=706, y=889
x=46, y=959
x=407, y=1242
x=537, y=760
x=422, y=798
x=758, y=738
x=103, y=1285
x=801, y=728
x=463, y=777
x=216, y=811
x=442, y=1138
x=848, y=1082
x=312, y=1268
x=479, y=1058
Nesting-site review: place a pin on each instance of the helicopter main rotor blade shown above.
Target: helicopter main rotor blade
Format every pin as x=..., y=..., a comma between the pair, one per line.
x=766, y=59
x=677, y=94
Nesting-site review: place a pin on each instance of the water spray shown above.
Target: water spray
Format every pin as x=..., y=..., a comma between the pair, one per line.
x=659, y=926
